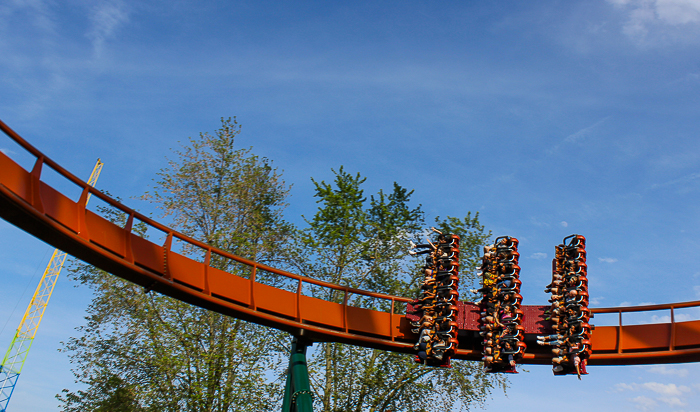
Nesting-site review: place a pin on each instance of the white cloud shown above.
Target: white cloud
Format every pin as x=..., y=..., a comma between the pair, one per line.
x=696, y=288
x=661, y=319
x=106, y=18
x=679, y=317
x=620, y=387
x=678, y=11
x=644, y=403
x=669, y=389
x=666, y=389
x=596, y=300
x=607, y=260
x=665, y=370
x=6, y=151
x=564, y=223
x=672, y=401
x=538, y=255
x=669, y=393
x=645, y=15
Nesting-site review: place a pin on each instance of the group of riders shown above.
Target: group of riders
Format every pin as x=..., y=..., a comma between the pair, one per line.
x=500, y=323
x=569, y=313
x=437, y=306
x=501, y=316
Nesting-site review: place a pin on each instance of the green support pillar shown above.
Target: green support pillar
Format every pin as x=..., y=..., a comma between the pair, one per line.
x=297, y=393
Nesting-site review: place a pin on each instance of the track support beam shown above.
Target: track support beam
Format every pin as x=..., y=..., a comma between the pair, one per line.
x=297, y=392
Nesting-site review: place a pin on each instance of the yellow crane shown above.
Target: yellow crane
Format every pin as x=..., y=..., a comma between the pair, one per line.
x=13, y=362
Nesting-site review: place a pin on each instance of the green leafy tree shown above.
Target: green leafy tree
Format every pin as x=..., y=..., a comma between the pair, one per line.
x=148, y=352
x=109, y=394
x=363, y=243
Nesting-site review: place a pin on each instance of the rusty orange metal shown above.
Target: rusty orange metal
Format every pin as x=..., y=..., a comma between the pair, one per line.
x=37, y=208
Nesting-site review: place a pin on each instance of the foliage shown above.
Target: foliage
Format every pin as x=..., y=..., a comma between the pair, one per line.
x=226, y=197
x=160, y=354
x=109, y=393
x=145, y=352
x=356, y=245
x=363, y=244
x=472, y=237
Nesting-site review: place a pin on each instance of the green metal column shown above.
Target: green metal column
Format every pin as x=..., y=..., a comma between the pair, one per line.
x=297, y=393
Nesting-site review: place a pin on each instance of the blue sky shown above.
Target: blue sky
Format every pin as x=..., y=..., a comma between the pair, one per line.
x=553, y=117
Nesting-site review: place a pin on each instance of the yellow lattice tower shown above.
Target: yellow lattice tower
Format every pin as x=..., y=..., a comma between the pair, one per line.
x=14, y=359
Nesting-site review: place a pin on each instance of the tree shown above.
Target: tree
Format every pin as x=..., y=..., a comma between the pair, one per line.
x=146, y=352
x=109, y=393
x=153, y=353
x=363, y=244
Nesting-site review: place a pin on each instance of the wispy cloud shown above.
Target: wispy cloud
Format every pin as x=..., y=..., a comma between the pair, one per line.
x=679, y=317
x=668, y=393
x=583, y=133
x=685, y=157
x=620, y=387
x=579, y=135
x=682, y=182
x=536, y=222
x=564, y=223
x=645, y=15
x=40, y=13
x=672, y=401
x=688, y=80
x=673, y=12
x=666, y=370
x=538, y=255
x=597, y=300
x=643, y=403
x=105, y=19
x=607, y=260
x=668, y=389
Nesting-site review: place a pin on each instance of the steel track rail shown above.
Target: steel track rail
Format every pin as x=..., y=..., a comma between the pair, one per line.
x=36, y=208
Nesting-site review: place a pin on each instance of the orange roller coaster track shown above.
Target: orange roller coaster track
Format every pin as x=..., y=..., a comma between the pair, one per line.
x=37, y=208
